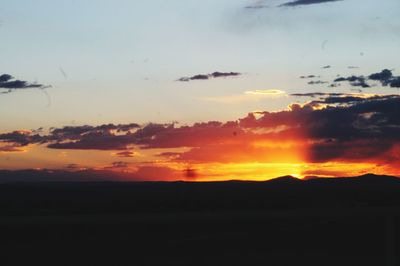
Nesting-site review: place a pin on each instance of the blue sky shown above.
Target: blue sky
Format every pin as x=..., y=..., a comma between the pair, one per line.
x=122, y=58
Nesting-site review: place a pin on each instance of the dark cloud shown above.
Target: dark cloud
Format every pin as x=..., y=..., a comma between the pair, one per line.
x=338, y=100
x=95, y=141
x=77, y=132
x=326, y=67
x=363, y=129
x=209, y=76
x=316, y=82
x=103, y=137
x=126, y=154
x=356, y=81
x=5, y=78
x=385, y=78
x=317, y=94
x=196, y=77
x=341, y=98
x=9, y=84
x=224, y=74
x=395, y=82
x=307, y=2
x=309, y=77
x=71, y=132
x=334, y=85
x=347, y=121
x=10, y=148
x=20, y=137
x=118, y=165
x=333, y=126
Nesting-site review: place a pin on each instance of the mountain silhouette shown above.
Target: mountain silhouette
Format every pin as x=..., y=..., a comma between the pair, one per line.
x=49, y=175
x=287, y=179
x=85, y=218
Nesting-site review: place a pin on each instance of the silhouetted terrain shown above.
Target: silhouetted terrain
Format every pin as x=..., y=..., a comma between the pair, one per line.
x=285, y=221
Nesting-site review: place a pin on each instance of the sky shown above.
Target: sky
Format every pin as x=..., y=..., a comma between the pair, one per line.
x=201, y=90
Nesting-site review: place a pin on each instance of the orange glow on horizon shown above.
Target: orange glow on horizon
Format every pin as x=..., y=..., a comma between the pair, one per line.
x=256, y=160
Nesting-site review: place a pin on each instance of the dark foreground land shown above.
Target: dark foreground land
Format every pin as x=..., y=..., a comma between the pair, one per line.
x=351, y=221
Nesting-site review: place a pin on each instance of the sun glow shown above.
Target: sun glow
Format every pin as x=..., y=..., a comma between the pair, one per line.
x=246, y=171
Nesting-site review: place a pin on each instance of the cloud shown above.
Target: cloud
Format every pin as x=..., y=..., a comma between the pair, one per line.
x=9, y=84
x=306, y=2
x=126, y=154
x=395, y=82
x=316, y=82
x=260, y=4
x=224, y=74
x=266, y=92
x=210, y=76
x=316, y=94
x=332, y=133
x=103, y=137
x=20, y=137
x=356, y=81
x=309, y=77
x=341, y=132
x=385, y=78
x=332, y=127
x=10, y=148
x=117, y=165
x=247, y=96
x=95, y=141
x=333, y=98
x=72, y=132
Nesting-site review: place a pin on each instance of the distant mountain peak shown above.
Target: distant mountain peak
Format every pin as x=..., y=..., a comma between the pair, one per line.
x=286, y=178
x=374, y=177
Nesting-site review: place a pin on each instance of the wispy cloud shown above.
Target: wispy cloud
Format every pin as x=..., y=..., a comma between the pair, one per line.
x=257, y=5
x=9, y=84
x=266, y=92
x=307, y=2
x=209, y=76
x=247, y=96
x=125, y=154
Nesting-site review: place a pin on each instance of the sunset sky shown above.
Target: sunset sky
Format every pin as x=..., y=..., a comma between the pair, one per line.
x=201, y=90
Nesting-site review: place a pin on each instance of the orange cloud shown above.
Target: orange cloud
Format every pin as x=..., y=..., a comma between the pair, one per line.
x=358, y=133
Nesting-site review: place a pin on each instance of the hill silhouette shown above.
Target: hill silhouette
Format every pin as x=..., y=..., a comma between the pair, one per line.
x=319, y=221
